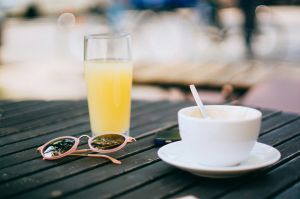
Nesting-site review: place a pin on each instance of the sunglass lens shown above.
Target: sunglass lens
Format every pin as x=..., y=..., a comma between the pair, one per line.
x=58, y=147
x=107, y=141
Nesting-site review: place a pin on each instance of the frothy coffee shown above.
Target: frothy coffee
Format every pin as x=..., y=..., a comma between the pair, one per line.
x=221, y=114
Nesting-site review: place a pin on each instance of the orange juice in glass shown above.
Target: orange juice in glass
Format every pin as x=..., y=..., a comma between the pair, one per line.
x=108, y=74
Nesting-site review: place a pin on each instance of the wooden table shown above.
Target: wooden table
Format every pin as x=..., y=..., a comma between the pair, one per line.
x=23, y=174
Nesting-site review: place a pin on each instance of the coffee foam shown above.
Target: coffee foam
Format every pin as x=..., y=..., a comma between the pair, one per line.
x=222, y=114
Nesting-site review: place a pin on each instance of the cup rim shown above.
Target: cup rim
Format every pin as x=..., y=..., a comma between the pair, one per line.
x=257, y=115
x=107, y=35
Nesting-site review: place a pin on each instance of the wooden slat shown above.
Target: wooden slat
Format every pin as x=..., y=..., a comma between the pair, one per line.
x=27, y=144
x=52, y=123
x=265, y=111
x=153, y=107
x=15, y=105
x=153, y=112
x=35, y=165
x=78, y=117
x=277, y=121
x=269, y=115
x=44, y=121
x=156, y=125
x=282, y=134
x=30, y=108
x=5, y=111
x=18, y=158
x=5, y=102
x=269, y=184
x=152, y=121
x=23, y=157
x=131, y=180
x=51, y=119
x=293, y=192
x=102, y=174
x=43, y=111
x=66, y=114
x=21, y=108
x=172, y=183
x=9, y=107
x=290, y=152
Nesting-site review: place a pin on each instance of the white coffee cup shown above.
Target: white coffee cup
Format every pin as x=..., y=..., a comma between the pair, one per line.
x=225, y=139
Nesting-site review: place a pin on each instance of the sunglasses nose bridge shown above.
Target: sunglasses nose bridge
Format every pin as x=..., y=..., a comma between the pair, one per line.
x=84, y=136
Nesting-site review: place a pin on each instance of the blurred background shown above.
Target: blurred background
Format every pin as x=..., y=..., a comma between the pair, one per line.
x=232, y=50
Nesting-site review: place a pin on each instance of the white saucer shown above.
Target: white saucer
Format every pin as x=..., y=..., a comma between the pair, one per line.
x=261, y=156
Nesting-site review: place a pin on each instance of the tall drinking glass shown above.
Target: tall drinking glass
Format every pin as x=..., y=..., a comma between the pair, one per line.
x=108, y=74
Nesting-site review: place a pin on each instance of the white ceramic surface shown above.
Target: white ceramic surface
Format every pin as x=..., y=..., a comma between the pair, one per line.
x=177, y=155
x=224, y=140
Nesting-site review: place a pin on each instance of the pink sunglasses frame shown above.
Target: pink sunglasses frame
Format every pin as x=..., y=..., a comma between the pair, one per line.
x=73, y=150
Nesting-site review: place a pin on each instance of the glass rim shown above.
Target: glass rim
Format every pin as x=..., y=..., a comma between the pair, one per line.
x=108, y=35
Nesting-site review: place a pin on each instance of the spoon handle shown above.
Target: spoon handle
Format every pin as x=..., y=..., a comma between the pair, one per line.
x=198, y=101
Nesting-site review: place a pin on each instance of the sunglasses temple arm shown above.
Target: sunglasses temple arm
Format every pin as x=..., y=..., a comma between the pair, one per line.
x=40, y=148
x=113, y=160
x=131, y=139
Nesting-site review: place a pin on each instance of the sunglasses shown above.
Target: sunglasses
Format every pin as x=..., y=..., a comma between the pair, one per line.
x=67, y=145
